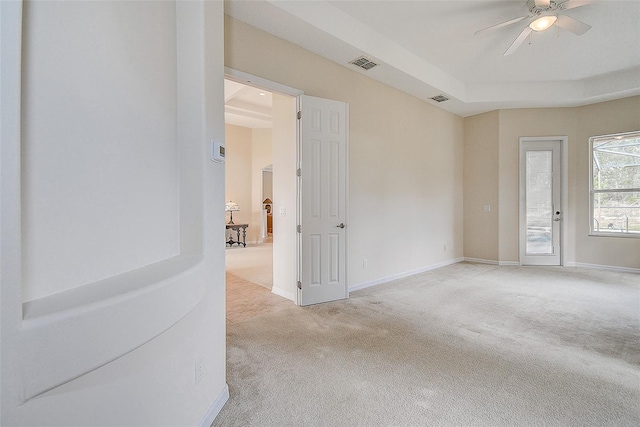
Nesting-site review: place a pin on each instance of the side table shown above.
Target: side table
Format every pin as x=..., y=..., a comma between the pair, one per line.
x=237, y=228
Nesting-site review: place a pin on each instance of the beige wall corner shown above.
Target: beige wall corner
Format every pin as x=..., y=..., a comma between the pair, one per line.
x=481, y=186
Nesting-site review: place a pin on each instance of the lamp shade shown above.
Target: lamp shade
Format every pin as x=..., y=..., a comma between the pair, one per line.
x=231, y=206
x=543, y=23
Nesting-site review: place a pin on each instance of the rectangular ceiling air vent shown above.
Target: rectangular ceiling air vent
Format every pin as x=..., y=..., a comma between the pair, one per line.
x=364, y=63
x=440, y=98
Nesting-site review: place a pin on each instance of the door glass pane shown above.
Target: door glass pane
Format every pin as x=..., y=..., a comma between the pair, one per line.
x=539, y=202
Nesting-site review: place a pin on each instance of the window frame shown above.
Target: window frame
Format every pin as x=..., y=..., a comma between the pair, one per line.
x=593, y=192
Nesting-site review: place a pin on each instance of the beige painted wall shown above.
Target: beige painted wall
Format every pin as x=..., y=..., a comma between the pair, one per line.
x=284, y=196
x=514, y=124
x=239, y=146
x=481, y=138
x=248, y=152
x=262, y=156
x=405, y=158
x=578, y=124
x=600, y=119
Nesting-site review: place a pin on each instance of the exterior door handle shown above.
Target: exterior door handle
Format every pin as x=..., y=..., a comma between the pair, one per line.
x=341, y=225
x=556, y=219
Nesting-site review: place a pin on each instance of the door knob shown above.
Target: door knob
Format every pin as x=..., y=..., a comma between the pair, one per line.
x=341, y=225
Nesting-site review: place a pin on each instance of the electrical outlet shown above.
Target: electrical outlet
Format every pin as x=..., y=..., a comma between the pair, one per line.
x=199, y=370
x=365, y=262
x=283, y=212
x=444, y=248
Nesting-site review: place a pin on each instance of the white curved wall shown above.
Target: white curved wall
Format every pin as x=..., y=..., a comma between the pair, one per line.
x=112, y=266
x=101, y=106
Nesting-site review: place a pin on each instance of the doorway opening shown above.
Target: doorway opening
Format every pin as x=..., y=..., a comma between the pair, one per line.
x=253, y=191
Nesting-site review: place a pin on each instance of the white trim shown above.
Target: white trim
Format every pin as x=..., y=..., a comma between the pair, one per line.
x=603, y=267
x=284, y=294
x=259, y=82
x=509, y=263
x=298, y=295
x=215, y=407
x=346, y=198
x=271, y=86
x=405, y=274
x=481, y=261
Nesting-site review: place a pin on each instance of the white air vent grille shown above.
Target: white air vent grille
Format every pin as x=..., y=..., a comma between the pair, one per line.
x=364, y=63
x=440, y=98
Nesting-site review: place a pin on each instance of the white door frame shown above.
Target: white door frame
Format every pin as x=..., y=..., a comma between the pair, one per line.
x=271, y=86
x=259, y=82
x=564, y=189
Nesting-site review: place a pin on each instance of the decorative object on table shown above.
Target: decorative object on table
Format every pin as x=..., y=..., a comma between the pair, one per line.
x=231, y=207
x=266, y=204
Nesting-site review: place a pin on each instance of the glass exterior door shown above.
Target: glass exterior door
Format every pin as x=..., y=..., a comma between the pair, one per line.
x=540, y=214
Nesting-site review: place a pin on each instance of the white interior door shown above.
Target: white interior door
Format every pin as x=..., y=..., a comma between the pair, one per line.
x=540, y=202
x=323, y=201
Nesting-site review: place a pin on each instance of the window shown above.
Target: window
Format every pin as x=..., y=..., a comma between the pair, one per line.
x=615, y=185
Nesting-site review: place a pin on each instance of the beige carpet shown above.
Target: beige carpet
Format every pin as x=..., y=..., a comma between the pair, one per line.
x=253, y=263
x=247, y=300
x=465, y=345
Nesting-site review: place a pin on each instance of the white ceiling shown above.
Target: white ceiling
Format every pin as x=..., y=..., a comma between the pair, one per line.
x=247, y=106
x=427, y=48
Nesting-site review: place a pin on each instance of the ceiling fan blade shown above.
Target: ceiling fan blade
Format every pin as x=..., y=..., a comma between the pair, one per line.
x=501, y=25
x=542, y=3
x=518, y=41
x=572, y=4
x=570, y=24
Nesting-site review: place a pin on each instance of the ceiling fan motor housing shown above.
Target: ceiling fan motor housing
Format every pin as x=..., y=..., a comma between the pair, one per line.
x=536, y=8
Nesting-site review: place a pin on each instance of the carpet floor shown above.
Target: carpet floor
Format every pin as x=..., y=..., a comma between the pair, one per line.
x=464, y=345
x=253, y=263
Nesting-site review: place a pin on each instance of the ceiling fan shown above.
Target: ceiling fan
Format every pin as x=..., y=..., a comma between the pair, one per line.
x=542, y=15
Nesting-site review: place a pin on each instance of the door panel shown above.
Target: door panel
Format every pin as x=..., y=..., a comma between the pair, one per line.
x=540, y=214
x=323, y=201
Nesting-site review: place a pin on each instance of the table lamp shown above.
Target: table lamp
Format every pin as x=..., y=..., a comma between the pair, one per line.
x=231, y=207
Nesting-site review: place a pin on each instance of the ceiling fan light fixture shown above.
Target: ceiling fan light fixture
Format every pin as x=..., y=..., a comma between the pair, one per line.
x=543, y=23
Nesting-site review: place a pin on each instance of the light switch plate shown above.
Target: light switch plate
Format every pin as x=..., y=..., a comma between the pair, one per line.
x=217, y=151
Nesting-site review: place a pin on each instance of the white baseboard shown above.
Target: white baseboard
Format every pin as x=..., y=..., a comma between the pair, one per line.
x=403, y=275
x=284, y=294
x=481, y=261
x=603, y=267
x=507, y=263
x=215, y=407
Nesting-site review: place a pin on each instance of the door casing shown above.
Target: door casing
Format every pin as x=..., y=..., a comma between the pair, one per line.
x=269, y=85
